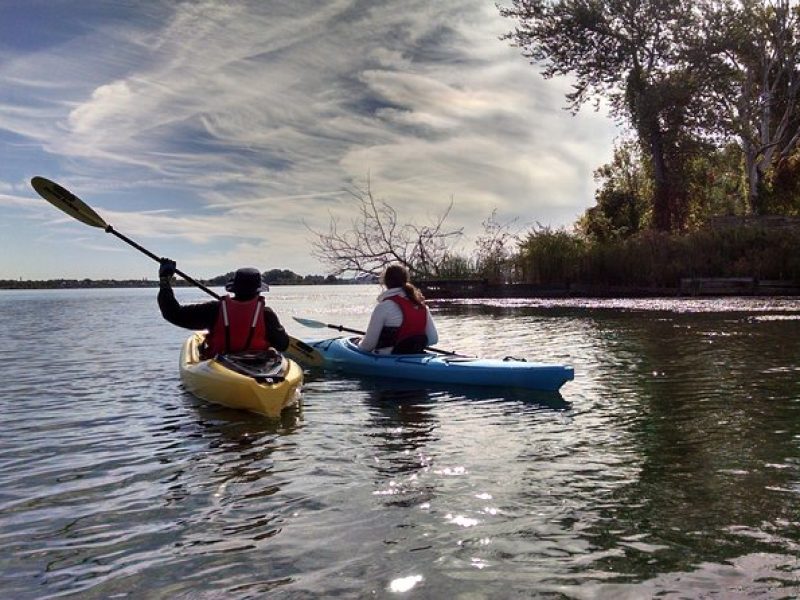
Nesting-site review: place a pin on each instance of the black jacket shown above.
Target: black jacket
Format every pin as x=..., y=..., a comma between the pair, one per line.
x=204, y=315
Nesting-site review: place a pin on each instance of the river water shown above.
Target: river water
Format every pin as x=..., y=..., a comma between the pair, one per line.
x=669, y=467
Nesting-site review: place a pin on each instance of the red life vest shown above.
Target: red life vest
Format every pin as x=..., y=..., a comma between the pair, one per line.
x=415, y=318
x=240, y=327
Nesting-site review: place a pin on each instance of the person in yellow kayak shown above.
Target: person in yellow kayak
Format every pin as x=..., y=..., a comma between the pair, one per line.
x=401, y=322
x=242, y=323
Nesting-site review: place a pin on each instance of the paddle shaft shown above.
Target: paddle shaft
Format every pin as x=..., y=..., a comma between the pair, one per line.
x=143, y=250
x=343, y=328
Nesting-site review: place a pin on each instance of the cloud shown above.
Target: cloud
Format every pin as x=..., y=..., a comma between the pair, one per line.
x=12, y=200
x=235, y=116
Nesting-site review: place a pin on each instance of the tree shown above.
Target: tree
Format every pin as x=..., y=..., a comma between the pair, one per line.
x=622, y=199
x=548, y=256
x=377, y=238
x=280, y=276
x=638, y=55
x=494, y=248
x=763, y=50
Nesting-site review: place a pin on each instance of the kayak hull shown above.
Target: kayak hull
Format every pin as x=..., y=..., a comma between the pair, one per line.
x=342, y=354
x=212, y=381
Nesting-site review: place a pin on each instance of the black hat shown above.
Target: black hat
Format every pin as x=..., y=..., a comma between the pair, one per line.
x=246, y=281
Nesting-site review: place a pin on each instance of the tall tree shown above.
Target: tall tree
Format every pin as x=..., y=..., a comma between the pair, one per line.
x=763, y=50
x=638, y=55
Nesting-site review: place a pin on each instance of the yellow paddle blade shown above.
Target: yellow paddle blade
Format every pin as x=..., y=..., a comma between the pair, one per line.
x=306, y=355
x=65, y=200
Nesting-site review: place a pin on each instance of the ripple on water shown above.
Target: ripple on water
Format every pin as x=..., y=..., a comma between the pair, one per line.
x=671, y=464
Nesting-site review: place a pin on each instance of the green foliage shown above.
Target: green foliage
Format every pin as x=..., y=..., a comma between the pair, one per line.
x=659, y=259
x=220, y=280
x=710, y=88
x=456, y=266
x=646, y=259
x=715, y=185
x=782, y=190
x=623, y=198
x=46, y=284
x=281, y=277
x=763, y=46
x=644, y=59
x=550, y=256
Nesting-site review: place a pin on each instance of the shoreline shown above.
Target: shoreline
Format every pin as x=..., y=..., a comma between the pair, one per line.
x=472, y=289
x=688, y=288
x=85, y=284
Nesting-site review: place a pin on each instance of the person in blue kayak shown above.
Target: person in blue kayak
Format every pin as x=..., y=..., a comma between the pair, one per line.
x=242, y=323
x=401, y=322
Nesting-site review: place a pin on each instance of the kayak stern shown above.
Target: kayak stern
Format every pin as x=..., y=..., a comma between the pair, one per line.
x=213, y=382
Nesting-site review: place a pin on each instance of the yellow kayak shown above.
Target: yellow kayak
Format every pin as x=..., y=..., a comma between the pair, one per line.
x=217, y=380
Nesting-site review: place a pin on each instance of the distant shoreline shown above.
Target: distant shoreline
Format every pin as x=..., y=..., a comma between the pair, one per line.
x=475, y=289
x=62, y=284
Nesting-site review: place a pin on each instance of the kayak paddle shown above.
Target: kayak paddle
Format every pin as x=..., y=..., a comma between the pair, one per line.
x=320, y=325
x=76, y=208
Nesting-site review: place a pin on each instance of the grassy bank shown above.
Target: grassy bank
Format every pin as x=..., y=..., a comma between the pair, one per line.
x=657, y=259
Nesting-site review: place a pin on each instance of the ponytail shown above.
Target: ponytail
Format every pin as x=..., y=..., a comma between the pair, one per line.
x=414, y=294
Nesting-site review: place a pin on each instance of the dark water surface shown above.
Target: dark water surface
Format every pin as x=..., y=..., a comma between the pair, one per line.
x=669, y=468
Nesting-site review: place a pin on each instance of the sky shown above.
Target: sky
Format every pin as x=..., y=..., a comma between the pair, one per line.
x=223, y=133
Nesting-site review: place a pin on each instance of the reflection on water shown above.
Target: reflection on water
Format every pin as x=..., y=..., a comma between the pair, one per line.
x=670, y=466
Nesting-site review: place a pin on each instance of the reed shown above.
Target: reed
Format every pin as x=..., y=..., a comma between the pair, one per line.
x=659, y=259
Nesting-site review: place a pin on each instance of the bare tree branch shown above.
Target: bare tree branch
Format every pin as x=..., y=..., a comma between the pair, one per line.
x=377, y=238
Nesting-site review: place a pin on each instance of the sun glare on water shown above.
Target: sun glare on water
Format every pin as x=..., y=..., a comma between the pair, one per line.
x=404, y=584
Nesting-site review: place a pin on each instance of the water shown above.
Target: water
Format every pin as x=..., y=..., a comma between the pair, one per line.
x=670, y=467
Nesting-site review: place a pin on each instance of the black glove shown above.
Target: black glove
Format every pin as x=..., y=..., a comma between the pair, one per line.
x=167, y=269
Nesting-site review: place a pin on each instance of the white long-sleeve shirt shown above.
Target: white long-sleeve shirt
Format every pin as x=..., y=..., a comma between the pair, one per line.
x=388, y=314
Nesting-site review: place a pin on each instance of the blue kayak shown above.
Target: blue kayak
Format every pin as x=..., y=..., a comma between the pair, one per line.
x=343, y=355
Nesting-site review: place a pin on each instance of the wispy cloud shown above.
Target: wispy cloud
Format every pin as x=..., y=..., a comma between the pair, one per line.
x=247, y=119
